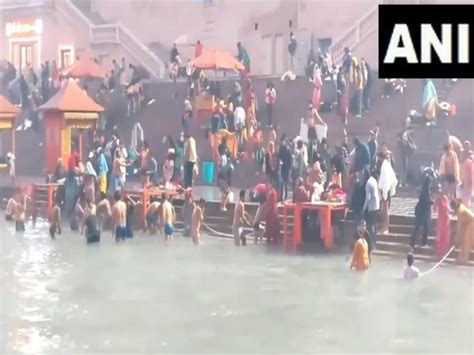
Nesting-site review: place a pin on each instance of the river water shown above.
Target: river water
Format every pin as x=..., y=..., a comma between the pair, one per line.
x=149, y=297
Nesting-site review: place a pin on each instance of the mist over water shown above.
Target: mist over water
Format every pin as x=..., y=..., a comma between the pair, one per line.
x=146, y=296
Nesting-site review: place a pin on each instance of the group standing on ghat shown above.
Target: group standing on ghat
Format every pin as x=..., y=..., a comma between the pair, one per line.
x=363, y=174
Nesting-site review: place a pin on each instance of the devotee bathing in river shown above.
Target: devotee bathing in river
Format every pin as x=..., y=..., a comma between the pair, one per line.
x=360, y=254
x=197, y=219
x=168, y=216
x=410, y=272
x=119, y=217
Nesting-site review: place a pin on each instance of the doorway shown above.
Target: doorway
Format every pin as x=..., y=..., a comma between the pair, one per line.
x=66, y=56
x=24, y=54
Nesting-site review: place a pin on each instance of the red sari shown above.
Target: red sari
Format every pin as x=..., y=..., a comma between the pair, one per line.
x=443, y=226
x=272, y=223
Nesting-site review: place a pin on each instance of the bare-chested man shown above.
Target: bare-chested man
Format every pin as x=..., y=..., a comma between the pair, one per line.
x=168, y=216
x=152, y=215
x=239, y=220
x=119, y=218
x=55, y=219
x=20, y=212
x=89, y=210
x=197, y=219
x=11, y=207
x=104, y=211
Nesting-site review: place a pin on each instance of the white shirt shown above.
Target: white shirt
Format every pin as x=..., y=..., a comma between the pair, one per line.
x=239, y=115
x=372, y=198
x=411, y=273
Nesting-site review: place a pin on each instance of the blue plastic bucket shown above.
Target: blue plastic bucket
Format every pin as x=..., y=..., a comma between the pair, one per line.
x=208, y=172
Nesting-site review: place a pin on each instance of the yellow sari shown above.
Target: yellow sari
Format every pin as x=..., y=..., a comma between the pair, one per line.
x=465, y=232
x=360, y=255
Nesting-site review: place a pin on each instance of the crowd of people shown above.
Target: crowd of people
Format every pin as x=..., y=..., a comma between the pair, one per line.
x=363, y=174
x=29, y=87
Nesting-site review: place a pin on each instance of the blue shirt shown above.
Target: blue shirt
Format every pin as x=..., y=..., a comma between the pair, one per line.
x=102, y=163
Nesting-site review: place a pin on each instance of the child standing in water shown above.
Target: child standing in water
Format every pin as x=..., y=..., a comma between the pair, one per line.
x=55, y=219
x=168, y=216
x=410, y=272
x=197, y=219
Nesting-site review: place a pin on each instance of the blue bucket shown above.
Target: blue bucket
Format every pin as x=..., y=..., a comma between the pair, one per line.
x=208, y=172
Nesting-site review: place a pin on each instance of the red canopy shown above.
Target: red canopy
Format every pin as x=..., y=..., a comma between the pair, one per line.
x=7, y=108
x=84, y=68
x=71, y=98
x=217, y=59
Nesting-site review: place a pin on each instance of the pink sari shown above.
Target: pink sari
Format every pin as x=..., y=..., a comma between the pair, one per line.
x=443, y=226
x=272, y=223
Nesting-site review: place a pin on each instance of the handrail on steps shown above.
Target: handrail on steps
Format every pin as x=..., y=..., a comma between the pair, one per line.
x=335, y=49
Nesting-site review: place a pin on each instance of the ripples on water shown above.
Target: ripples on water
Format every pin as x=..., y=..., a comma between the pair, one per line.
x=64, y=297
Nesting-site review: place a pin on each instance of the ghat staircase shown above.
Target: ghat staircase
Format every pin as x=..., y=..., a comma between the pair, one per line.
x=105, y=36
x=395, y=244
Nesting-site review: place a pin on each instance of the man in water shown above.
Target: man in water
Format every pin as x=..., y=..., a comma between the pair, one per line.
x=55, y=219
x=119, y=218
x=20, y=212
x=11, y=207
x=104, y=211
x=91, y=230
x=168, y=216
x=197, y=219
x=151, y=215
x=239, y=220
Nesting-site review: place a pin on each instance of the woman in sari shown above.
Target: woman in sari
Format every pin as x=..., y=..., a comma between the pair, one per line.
x=449, y=169
x=272, y=223
x=465, y=230
x=443, y=223
x=467, y=173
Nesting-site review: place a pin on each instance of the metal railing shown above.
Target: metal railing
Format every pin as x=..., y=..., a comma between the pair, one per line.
x=147, y=58
x=114, y=34
x=355, y=34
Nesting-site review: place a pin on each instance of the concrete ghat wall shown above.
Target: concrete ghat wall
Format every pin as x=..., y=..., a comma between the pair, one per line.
x=163, y=118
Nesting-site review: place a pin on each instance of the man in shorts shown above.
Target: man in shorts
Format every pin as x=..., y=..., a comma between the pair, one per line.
x=119, y=218
x=239, y=220
x=168, y=216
